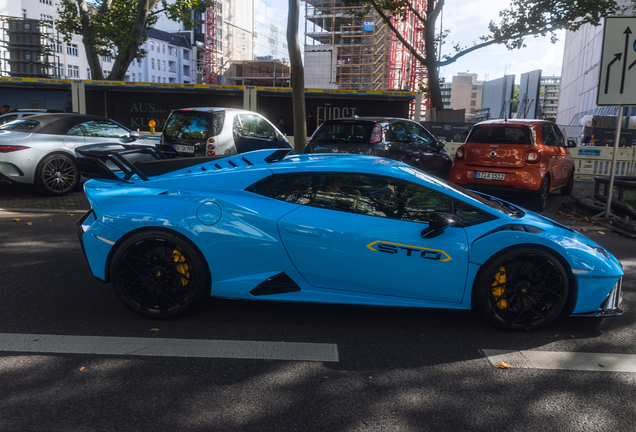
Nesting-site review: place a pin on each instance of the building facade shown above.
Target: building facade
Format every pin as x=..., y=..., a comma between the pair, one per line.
x=549, y=97
x=466, y=93
x=31, y=46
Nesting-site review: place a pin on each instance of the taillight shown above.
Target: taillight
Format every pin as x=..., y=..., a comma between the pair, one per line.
x=460, y=153
x=376, y=134
x=533, y=156
x=11, y=148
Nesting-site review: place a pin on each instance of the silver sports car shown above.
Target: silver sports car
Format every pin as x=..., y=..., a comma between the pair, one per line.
x=40, y=149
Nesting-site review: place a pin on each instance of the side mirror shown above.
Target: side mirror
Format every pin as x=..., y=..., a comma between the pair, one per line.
x=438, y=222
x=571, y=144
x=439, y=145
x=134, y=135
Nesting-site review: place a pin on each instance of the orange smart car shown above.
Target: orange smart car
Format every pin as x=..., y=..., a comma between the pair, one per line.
x=515, y=156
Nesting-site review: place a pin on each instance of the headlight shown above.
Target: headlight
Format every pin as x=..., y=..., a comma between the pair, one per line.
x=599, y=250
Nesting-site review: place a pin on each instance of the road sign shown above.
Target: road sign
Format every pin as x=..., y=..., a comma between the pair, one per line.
x=617, y=74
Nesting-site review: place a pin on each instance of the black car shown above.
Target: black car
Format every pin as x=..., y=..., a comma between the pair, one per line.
x=393, y=138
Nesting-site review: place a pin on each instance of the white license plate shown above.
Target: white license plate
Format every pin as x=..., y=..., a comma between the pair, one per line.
x=184, y=148
x=490, y=176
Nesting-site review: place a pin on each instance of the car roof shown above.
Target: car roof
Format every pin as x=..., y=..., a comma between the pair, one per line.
x=57, y=123
x=370, y=119
x=321, y=162
x=515, y=122
x=212, y=109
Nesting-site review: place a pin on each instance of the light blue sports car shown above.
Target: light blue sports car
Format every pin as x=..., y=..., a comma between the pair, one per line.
x=337, y=228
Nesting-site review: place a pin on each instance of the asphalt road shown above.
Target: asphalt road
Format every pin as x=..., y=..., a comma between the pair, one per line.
x=397, y=369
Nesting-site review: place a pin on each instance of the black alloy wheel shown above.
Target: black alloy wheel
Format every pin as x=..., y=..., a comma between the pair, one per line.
x=158, y=274
x=522, y=290
x=569, y=186
x=57, y=174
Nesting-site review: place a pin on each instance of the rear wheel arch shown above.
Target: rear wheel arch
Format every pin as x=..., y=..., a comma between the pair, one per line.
x=37, y=177
x=124, y=238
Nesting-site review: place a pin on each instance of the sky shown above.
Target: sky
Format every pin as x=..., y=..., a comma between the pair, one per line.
x=468, y=20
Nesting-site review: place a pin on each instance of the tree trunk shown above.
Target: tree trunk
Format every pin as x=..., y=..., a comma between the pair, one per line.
x=434, y=92
x=123, y=60
x=88, y=40
x=297, y=78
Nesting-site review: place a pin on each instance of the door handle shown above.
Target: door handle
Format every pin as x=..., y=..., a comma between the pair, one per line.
x=302, y=231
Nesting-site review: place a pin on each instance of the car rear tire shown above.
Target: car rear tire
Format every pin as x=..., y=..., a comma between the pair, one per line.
x=569, y=186
x=540, y=199
x=157, y=274
x=522, y=289
x=57, y=174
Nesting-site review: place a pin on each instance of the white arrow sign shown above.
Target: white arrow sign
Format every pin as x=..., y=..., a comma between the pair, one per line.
x=617, y=74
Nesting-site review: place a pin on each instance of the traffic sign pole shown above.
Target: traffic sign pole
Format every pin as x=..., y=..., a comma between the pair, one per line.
x=610, y=192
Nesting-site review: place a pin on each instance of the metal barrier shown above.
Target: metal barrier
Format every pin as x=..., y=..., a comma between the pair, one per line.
x=591, y=161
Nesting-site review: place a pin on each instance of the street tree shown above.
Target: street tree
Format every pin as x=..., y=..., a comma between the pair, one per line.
x=522, y=19
x=297, y=78
x=115, y=28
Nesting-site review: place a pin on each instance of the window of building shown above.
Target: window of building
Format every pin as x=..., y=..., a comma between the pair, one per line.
x=139, y=76
x=107, y=59
x=164, y=79
x=219, y=7
x=153, y=78
x=47, y=2
x=88, y=73
x=152, y=63
x=474, y=87
x=473, y=95
x=44, y=17
x=163, y=66
x=473, y=103
x=71, y=49
x=73, y=71
x=243, y=43
x=186, y=70
x=186, y=54
x=172, y=66
x=163, y=48
x=24, y=14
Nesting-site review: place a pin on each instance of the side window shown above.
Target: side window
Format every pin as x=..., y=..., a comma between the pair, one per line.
x=400, y=132
x=295, y=189
x=237, y=128
x=8, y=118
x=547, y=135
x=75, y=131
x=421, y=137
x=560, y=141
x=99, y=128
x=256, y=127
x=471, y=215
x=379, y=196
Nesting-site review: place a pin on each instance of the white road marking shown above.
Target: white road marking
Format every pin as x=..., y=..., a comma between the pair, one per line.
x=160, y=347
x=600, y=362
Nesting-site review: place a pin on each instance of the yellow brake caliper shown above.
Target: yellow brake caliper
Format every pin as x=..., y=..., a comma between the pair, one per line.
x=184, y=269
x=499, y=286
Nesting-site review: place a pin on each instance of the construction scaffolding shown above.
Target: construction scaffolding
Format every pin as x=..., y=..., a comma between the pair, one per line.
x=29, y=48
x=213, y=29
x=369, y=55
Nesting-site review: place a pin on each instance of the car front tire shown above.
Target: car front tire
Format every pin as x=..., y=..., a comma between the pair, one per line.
x=158, y=274
x=57, y=174
x=522, y=289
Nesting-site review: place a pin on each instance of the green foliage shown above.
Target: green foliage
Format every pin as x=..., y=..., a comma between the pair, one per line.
x=110, y=24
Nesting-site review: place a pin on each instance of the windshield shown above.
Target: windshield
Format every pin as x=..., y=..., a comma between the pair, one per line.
x=500, y=134
x=351, y=132
x=492, y=202
x=20, y=125
x=192, y=127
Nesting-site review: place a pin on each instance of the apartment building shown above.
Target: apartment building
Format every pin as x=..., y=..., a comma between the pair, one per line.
x=466, y=93
x=549, y=96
